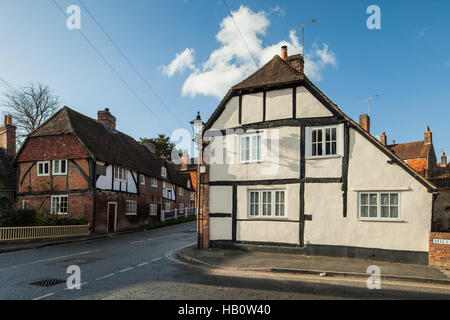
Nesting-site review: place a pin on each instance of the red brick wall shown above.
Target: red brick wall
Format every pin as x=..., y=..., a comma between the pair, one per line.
x=439, y=254
x=35, y=183
x=203, y=219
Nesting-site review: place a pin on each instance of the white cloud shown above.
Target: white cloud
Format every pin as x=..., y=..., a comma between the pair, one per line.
x=422, y=32
x=182, y=61
x=232, y=62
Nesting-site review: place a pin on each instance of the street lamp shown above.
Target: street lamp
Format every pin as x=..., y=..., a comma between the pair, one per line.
x=197, y=127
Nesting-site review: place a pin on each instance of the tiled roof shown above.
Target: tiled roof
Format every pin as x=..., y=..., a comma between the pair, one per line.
x=276, y=71
x=109, y=146
x=411, y=150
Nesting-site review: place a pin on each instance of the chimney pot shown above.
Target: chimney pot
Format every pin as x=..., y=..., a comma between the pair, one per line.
x=364, y=122
x=393, y=141
x=443, y=160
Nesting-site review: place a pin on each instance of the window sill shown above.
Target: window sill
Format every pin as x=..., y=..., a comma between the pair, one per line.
x=59, y=174
x=323, y=157
x=43, y=175
x=131, y=214
x=380, y=220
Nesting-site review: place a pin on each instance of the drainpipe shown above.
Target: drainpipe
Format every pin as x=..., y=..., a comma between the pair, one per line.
x=94, y=186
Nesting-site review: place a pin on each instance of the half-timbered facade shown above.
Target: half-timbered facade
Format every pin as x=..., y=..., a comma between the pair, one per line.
x=77, y=166
x=289, y=168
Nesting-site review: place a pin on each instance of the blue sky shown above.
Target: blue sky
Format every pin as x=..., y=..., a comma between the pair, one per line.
x=407, y=62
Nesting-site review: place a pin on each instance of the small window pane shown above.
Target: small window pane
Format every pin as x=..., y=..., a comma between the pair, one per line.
x=373, y=212
x=364, y=199
x=394, y=212
x=385, y=212
x=394, y=199
x=384, y=199
x=373, y=199
x=364, y=212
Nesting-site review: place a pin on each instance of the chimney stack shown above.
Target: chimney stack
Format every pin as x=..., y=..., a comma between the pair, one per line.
x=393, y=142
x=443, y=160
x=428, y=137
x=185, y=160
x=364, y=122
x=8, y=136
x=284, y=52
x=296, y=61
x=106, y=118
x=149, y=145
x=383, y=139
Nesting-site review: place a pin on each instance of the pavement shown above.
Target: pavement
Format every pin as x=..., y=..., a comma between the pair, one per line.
x=251, y=260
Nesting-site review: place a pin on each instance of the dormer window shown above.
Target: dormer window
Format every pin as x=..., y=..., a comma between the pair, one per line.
x=142, y=179
x=119, y=174
x=163, y=172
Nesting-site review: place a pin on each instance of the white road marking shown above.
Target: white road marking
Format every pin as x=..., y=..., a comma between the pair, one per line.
x=44, y=296
x=51, y=259
x=157, y=259
x=143, y=264
x=127, y=269
x=104, y=277
x=81, y=284
x=139, y=241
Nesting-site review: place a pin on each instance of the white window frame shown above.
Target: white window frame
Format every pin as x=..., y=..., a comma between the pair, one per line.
x=57, y=210
x=379, y=206
x=181, y=191
x=130, y=206
x=27, y=204
x=120, y=174
x=60, y=173
x=254, y=155
x=262, y=207
x=339, y=141
x=154, y=182
x=43, y=163
x=142, y=179
x=163, y=172
x=181, y=208
x=153, y=209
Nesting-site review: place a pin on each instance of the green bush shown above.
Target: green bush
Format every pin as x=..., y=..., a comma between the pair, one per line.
x=28, y=218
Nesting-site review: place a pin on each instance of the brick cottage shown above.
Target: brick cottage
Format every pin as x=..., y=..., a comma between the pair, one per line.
x=81, y=167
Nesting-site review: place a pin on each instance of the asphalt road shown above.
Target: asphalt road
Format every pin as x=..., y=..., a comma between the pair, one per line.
x=141, y=266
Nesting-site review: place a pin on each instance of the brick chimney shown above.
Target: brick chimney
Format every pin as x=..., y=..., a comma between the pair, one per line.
x=443, y=160
x=364, y=122
x=149, y=144
x=296, y=61
x=185, y=160
x=284, y=52
x=428, y=137
x=106, y=118
x=8, y=136
x=393, y=142
x=383, y=138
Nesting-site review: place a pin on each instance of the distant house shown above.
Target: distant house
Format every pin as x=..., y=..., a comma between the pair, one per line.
x=81, y=167
x=418, y=155
x=301, y=173
x=188, y=166
x=7, y=170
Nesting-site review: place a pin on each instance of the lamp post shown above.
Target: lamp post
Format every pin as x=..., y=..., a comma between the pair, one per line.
x=197, y=127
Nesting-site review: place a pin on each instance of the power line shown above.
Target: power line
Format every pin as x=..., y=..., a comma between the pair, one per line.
x=242, y=37
x=130, y=63
x=112, y=68
x=7, y=85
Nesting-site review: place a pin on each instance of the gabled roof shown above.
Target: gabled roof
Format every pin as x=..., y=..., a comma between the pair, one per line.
x=107, y=145
x=267, y=75
x=411, y=150
x=276, y=71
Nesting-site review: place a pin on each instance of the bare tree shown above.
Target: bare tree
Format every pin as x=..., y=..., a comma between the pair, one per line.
x=30, y=107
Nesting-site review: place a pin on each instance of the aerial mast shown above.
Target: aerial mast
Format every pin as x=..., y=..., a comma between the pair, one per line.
x=303, y=26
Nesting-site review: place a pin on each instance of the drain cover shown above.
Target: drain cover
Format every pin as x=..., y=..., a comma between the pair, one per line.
x=47, y=282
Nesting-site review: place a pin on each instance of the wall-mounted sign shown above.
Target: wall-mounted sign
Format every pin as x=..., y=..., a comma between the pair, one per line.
x=441, y=241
